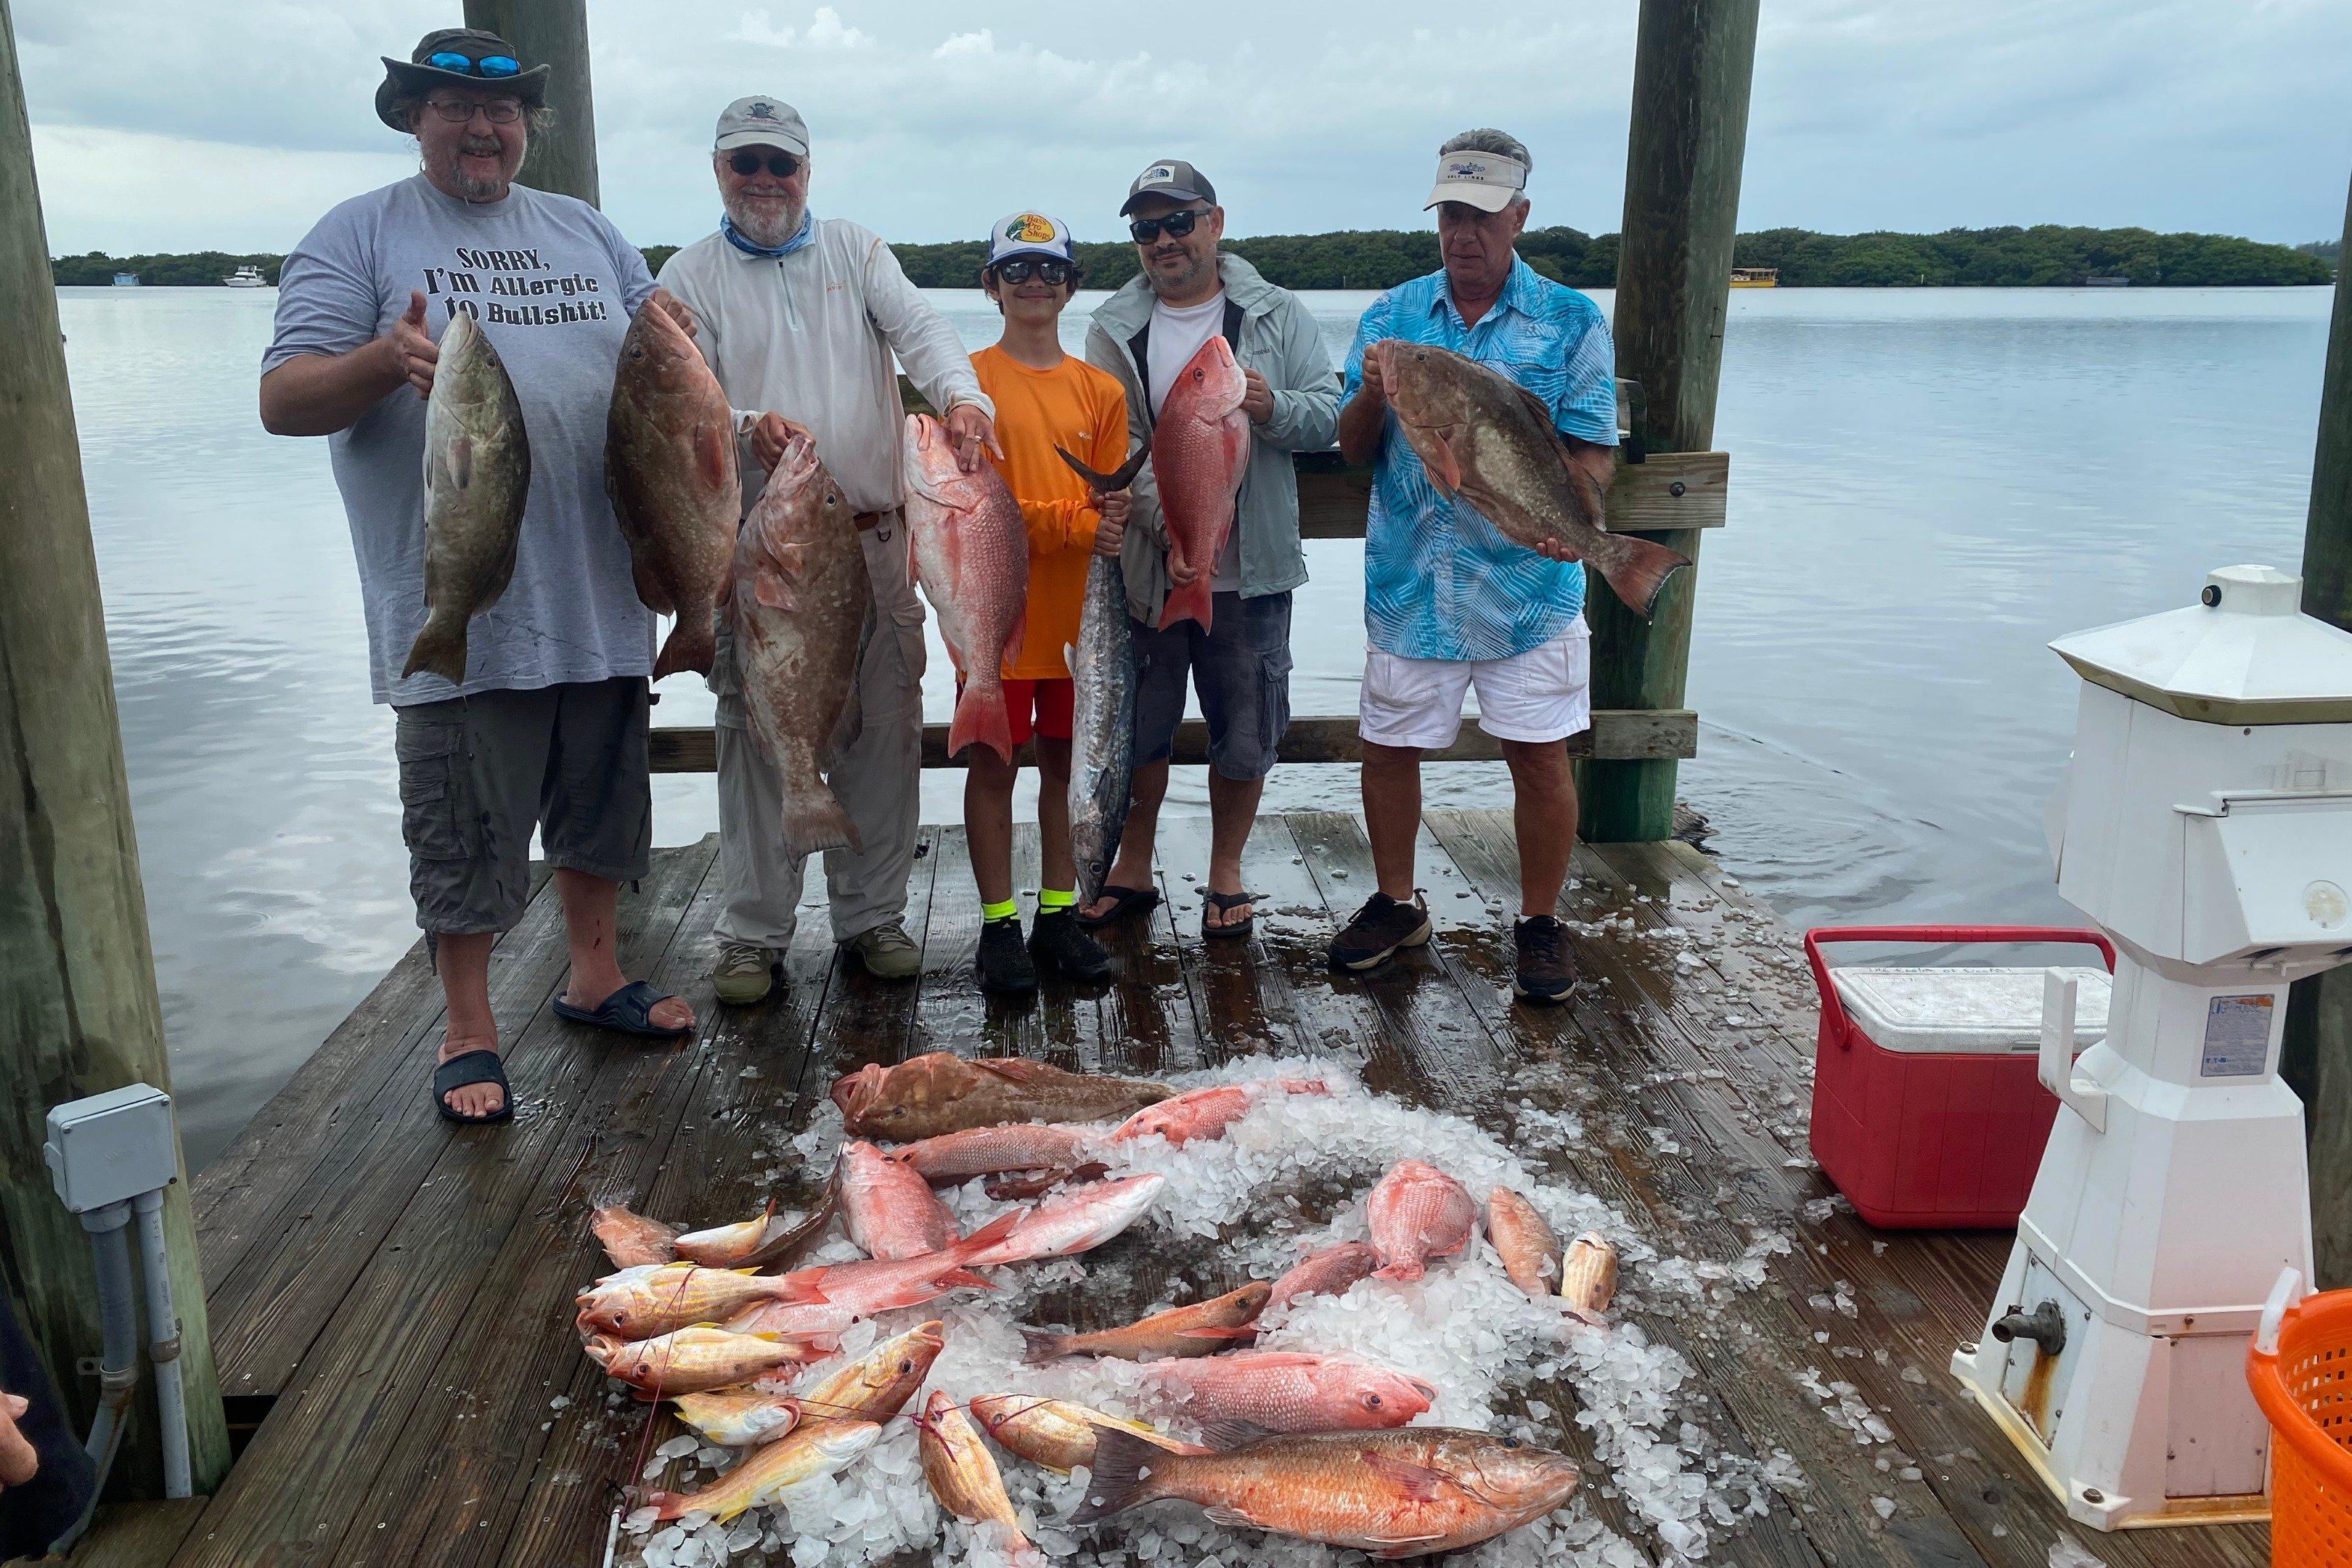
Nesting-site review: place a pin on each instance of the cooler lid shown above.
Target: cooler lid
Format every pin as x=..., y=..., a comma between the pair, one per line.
x=1994, y=1012
x=2245, y=654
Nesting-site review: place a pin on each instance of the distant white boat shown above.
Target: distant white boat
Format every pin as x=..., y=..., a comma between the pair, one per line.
x=126, y=280
x=245, y=278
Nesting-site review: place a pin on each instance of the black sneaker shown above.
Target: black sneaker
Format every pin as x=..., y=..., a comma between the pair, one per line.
x=1056, y=943
x=1379, y=928
x=1547, y=971
x=1004, y=967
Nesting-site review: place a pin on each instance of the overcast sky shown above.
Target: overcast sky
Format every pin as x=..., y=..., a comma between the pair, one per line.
x=231, y=124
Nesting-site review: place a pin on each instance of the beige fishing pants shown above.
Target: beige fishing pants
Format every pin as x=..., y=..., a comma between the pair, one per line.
x=876, y=774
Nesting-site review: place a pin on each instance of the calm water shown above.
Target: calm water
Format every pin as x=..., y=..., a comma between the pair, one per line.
x=1928, y=486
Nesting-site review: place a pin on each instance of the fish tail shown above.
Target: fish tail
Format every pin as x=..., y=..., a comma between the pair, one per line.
x=1190, y=602
x=814, y=820
x=980, y=715
x=1636, y=570
x=669, y=1505
x=1113, y=482
x=1116, y=1483
x=691, y=645
x=440, y=646
x=1038, y=1347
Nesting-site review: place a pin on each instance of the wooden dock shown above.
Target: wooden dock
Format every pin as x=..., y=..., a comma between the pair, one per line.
x=392, y=1296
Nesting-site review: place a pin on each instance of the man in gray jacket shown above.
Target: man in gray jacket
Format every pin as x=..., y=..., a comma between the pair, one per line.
x=1187, y=292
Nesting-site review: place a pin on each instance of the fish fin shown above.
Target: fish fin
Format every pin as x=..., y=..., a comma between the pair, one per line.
x=989, y=1234
x=440, y=646
x=980, y=715
x=966, y=1278
x=1191, y=602
x=460, y=461
x=1038, y=1347
x=1070, y=658
x=1117, y=1483
x=1637, y=570
x=1391, y=1547
x=1019, y=638
x=712, y=446
x=1107, y=484
x=1235, y=1433
x=1012, y=1069
x=1444, y=467
x=1231, y=1517
x=650, y=592
x=691, y=645
x=817, y=822
x=773, y=589
x=1536, y=408
x=1419, y=1481
x=1210, y=1332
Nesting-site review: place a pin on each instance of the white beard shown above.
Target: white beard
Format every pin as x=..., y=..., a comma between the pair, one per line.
x=764, y=224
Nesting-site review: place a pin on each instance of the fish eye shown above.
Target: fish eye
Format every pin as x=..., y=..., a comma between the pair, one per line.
x=905, y=1367
x=1371, y=1402
x=1510, y=1442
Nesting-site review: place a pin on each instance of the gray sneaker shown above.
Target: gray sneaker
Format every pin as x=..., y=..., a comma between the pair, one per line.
x=886, y=953
x=743, y=973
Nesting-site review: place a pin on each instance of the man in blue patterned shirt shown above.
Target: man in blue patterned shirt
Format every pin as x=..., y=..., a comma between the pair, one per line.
x=1449, y=603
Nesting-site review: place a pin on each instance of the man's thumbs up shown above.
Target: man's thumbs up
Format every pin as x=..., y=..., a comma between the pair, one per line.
x=412, y=349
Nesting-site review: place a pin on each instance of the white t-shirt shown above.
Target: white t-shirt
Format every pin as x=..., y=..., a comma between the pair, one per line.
x=1176, y=336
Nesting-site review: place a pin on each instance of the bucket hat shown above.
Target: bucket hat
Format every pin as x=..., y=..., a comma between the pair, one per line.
x=417, y=74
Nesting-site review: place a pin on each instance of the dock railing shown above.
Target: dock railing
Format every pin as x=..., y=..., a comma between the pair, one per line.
x=1653, y=492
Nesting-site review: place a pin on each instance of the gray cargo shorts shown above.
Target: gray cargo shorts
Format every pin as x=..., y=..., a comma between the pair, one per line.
x=478, y=774
x=1240, y=667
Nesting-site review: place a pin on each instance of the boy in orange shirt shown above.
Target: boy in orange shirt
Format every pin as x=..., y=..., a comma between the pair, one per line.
x=1043, y=399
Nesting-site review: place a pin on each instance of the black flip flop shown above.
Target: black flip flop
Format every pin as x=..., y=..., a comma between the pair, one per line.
x=1222, y=902
x=1125, y=901
x=463, y=1071
x=628, y=1011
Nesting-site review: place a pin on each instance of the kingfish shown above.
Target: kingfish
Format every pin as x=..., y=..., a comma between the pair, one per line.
x=477, y=474
x=1392, y=1494
x=819, y=1448
x=1056, y=1433
x=670, y=467
x=963, y=1477
x=972, y=556
x=1102, y=726
x=1491, y=441
x=1203, y=1327
x=799, y=605
x=1200, y=447
x=935, y=1094
x=1418, y=1213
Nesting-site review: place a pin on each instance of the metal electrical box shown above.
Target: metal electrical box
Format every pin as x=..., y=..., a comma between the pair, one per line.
x=112, y=1147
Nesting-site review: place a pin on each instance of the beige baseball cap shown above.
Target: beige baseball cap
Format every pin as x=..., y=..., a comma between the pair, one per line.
x=1487, y=181
x=762, y=122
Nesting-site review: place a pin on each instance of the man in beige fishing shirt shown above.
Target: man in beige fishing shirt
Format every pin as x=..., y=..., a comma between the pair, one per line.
x=799, y=317
x=547, y=729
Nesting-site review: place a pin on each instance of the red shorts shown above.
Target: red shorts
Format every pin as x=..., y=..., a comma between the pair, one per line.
x=1037, y=707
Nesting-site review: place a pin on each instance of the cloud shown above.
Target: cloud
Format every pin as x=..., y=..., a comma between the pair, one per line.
x=929, y=117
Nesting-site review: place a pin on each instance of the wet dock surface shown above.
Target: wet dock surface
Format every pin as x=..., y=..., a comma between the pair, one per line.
x=392, y=1296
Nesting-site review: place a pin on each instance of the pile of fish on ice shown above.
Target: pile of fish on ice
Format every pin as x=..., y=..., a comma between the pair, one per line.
x=869, y=1359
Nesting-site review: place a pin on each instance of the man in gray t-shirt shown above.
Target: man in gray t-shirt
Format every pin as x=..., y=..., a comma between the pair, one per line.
x=548, y=728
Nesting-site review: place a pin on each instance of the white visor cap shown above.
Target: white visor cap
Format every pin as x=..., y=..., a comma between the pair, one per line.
x=1487, y=181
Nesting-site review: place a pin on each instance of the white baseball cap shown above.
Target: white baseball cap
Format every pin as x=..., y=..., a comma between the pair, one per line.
x=1030, y=234
x=1486, y=181
x=759, y=122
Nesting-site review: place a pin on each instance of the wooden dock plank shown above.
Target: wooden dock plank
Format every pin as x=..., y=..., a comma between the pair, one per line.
x=384, y=1337
x=136, y=1534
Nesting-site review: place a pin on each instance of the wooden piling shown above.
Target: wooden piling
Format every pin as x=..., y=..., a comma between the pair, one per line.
x=2317, y=1056
x=1692, y=63
x=79, y=1013
x=563, y=158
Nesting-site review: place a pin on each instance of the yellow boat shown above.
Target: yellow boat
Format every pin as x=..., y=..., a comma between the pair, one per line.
x=1755, y=278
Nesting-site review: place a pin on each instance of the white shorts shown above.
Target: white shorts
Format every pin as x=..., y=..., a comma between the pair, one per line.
x=1543, y=694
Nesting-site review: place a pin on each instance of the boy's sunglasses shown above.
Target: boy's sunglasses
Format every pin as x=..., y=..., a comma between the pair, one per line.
x=783, y=165
x=466, y=65
x=1177, y=224
x=1021, y=272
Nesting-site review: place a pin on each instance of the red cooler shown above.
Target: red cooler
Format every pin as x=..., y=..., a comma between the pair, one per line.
x=1927, y=1111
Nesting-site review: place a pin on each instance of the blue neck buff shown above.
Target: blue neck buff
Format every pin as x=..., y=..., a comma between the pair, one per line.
x=800, y=239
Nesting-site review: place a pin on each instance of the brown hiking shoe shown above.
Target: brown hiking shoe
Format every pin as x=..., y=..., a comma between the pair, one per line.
x=1379, y=928
x=1546, y=971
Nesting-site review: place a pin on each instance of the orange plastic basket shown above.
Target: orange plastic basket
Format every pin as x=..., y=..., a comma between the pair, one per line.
x=2305, y=1391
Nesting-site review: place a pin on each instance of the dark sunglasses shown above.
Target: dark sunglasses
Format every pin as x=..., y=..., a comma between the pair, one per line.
x=1176, y=224
x=783, y=165
x=466, y=65
x=1021, y=272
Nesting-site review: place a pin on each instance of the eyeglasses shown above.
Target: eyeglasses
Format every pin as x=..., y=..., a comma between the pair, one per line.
x=1020, y=271
x=1177, y=224
x=466, y=65
x=783, y=165
x=458, y=110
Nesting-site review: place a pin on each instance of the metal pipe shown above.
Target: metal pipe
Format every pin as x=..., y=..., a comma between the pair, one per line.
x=163, y=1343
x=118, y=1377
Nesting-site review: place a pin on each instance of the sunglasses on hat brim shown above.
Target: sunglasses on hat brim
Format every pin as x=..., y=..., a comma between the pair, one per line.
x=491, y=67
